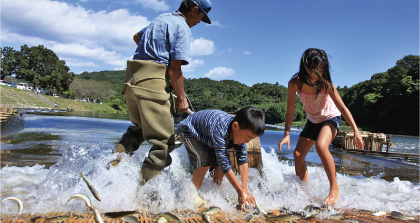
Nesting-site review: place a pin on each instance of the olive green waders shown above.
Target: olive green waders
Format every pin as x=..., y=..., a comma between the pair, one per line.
x=146, y=88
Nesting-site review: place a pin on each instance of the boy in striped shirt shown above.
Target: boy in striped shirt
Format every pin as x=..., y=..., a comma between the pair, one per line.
x=209, y=134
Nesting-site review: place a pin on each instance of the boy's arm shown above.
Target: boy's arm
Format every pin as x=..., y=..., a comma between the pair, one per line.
x=242, y=195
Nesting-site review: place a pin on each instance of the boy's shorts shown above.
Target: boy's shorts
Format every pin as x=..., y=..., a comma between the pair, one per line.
x=312, y=130
x=200, y=154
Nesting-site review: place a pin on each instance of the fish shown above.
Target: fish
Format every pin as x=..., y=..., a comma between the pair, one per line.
x=211, y=210
x=131, y=219
x=57, y=219
x=249, y=218
x=121, y=214
x=161, y=219
x=351, y=220
x=206, y=218
x=257, y=205
x=287, y=217
x=398, y=215
x=336, y=217
x=96, y=215
x=169, y=217
x=18, y=201
x=311, y=211
x=379, y=213
x=91, y=188
x=84, y=197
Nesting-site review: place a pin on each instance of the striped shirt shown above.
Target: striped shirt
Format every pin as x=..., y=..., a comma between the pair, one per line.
x=211, y=127
x=166, y=38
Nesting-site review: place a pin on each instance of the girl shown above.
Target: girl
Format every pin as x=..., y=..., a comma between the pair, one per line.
x=324, y=107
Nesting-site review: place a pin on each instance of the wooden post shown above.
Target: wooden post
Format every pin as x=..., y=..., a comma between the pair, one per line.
x=254, y=155
x=388, y=142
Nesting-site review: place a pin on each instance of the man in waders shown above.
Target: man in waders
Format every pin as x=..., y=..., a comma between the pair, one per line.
x=163, y=46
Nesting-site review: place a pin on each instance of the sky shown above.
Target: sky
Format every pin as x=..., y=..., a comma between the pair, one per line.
x=248, y=41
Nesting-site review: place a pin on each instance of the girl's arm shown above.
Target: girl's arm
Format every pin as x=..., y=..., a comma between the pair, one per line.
x=345, y=112
x=291, y=97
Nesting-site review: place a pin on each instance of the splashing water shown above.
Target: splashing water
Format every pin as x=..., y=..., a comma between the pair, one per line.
x=44, y=190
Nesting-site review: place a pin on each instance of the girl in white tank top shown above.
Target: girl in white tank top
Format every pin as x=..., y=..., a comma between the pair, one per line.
x=324, y=107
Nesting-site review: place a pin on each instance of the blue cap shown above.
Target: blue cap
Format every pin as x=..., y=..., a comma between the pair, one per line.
x=205, y=6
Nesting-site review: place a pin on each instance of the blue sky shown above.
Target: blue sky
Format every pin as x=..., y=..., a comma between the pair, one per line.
x=248, y=41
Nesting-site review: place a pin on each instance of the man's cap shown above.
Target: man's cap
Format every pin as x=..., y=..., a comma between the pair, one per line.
x=205, y=6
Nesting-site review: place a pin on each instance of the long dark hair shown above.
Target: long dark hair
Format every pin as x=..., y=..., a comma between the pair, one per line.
x=310, y=61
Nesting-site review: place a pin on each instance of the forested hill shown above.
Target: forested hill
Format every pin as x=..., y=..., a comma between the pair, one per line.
x=388, y=102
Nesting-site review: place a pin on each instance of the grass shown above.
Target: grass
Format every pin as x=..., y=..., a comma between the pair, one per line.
x=17, y=98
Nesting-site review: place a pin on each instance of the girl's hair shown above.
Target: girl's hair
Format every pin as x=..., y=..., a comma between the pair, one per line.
x=311, y=59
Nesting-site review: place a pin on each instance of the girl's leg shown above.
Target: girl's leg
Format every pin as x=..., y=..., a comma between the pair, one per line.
x=198, y=176
x=325, y=138
x=302, y=148
x=218, y=175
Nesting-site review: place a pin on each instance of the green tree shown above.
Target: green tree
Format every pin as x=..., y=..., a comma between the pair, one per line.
x=9, y=61
x=42, y=67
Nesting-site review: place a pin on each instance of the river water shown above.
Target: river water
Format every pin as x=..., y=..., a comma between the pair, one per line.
x=42, y=155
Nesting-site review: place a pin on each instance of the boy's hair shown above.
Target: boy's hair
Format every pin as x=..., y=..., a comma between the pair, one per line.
x=311, y=58
x=251, y=118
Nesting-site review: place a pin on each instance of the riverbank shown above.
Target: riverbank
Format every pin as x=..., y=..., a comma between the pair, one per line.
x=17, y=98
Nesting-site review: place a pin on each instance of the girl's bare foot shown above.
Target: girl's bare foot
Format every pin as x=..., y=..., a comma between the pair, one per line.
x=332, y=197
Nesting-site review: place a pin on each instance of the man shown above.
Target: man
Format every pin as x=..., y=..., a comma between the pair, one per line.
x=163, y=46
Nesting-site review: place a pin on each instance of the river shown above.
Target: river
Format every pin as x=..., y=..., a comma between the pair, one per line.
x=42, y=155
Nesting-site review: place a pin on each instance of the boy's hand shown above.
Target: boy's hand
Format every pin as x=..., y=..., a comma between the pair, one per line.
x=285, y=139
x=245, y=198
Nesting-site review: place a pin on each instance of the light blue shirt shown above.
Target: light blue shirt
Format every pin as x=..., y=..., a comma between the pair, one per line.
x=211, y=127
x=166, y=38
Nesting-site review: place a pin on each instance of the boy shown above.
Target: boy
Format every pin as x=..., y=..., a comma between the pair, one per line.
x=209, y=134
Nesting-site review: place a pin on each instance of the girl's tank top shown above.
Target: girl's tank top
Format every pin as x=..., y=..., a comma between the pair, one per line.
x=318, y=109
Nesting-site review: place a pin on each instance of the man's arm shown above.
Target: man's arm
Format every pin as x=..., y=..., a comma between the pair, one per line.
x=177, y=80
x=136, y=38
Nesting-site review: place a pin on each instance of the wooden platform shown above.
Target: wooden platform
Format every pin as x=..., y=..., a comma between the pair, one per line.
x=373, y=146
x=7, y=112
x=191, y=217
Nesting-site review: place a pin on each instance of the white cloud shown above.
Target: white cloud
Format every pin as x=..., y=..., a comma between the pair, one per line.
x=154, y=4
x=247, y=53
x=220, y=73
x=192, y=65
x=81, y=36
x=200, y=47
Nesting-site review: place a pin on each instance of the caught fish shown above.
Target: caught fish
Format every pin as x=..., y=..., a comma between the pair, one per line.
x=311, y=211
x=18, y=201
x=91, y=188
x=206, y=218
x=121, y=214
x=58, y=219
x=259, y=207
x=161, y=219
x=351, y=220
x=211, y=210
x=288, y=217
x=131, y=219
x=97, y=215
x=379, y=213
x=84, y=198
x=249, y=218
x=169, y=217
x=398, y=215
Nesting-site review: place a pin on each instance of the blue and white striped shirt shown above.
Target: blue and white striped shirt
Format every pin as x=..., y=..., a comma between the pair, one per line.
x=166, y=38
x=211, y=128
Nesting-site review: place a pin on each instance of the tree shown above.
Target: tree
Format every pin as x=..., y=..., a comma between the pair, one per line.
x=9, y=61
x=42, y=67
